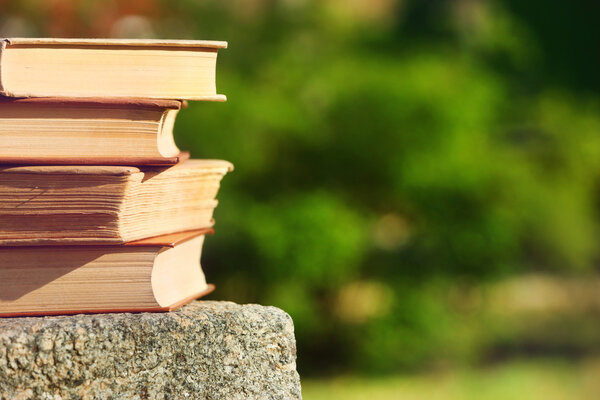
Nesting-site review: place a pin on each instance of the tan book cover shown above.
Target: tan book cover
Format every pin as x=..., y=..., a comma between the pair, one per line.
x=89, y=131
x=157, y=274
x=158, y=69
x=87, y=205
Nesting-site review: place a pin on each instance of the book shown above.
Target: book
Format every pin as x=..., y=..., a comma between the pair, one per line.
x=106, y=204
x=158, y=69
x=88, y=131
x=158, y=274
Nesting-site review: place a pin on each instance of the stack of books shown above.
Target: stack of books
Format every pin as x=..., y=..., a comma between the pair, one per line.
x=99, y=209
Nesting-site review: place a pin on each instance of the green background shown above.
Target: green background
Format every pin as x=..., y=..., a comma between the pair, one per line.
x=416, y=183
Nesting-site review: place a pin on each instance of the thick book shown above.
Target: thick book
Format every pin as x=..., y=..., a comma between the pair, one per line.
x=106, y=204
x=88, y=131
x=158, y=274
x=158, y=69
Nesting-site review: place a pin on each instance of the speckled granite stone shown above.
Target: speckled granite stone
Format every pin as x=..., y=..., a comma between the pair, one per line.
x=205, y=350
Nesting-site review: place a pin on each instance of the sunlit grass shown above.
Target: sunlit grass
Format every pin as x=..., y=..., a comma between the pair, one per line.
x=515, y=380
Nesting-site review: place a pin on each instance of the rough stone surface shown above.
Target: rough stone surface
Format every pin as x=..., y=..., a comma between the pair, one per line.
x=205, y=350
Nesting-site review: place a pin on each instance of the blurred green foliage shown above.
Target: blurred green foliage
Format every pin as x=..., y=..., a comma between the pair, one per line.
x=382, y=158
x=392, y=158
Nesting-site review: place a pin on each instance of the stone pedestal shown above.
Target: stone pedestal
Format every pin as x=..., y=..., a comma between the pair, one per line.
x=205, y=350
